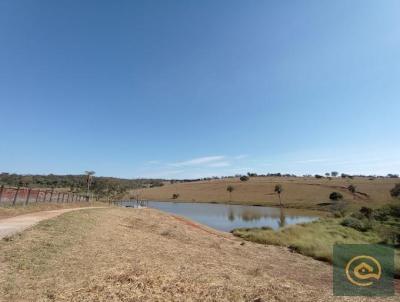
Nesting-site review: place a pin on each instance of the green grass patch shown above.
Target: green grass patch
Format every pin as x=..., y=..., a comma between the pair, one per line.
x=316, y=239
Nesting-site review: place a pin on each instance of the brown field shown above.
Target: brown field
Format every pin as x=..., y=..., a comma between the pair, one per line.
x=117, y=254
x=310, y=193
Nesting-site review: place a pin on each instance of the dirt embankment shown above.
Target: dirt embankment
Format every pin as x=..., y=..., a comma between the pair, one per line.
x=119, y=254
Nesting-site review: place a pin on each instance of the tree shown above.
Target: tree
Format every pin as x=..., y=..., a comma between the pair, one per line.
x=395, y=192
x=278, y=190
x=250, y=174
x=327, y=174
x=353, y=190
x=334, y=173
x=244, y=178
x=335, y=196
x=230, y=190
x=89, y=179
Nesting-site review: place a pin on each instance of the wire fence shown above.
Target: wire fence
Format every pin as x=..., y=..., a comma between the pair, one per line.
x=24, y=196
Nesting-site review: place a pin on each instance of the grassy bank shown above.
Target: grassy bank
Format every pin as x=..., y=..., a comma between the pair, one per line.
x=317, y=238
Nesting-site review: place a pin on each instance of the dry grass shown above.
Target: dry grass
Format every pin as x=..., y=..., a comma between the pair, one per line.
x=310, y=193
x=144, y=255
x=10, y=211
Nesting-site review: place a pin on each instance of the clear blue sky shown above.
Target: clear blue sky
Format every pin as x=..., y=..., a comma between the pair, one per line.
x=199, y=88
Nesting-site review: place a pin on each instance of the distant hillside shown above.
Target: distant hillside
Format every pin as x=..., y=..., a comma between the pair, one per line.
x=298, y=192
x=101, y=186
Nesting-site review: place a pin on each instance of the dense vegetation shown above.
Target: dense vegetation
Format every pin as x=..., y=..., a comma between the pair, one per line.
x=100, y=186
x=316, y=239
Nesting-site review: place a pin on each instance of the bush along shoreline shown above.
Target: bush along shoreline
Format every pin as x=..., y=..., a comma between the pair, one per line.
x=316, y=239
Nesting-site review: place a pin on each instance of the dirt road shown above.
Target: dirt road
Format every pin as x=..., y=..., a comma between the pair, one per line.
x=13, y=225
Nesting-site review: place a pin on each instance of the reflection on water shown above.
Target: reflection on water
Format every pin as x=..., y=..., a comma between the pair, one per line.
x=282, y=218
x=227, y=217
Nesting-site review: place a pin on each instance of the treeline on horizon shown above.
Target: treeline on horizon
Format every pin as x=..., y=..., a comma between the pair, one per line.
x=78, y=183
x=99, y=186
x=328, y=175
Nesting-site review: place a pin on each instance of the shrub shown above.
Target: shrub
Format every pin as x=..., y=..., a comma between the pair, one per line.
x=175, y=196
x=266, y=228
x=335, y=196
x=366, y=212
x=395, y=192
x=357, y=215
x=244, y=178
x=339, y=208
x=354, y=223
x=382, y=214
x=389, y=235
x=338, y=213
x=395, y=210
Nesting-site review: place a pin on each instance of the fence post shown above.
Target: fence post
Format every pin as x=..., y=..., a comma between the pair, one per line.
x=1, y=192
x=29, y=195
x=15, y=196
x=37, y=196
x=51, y=195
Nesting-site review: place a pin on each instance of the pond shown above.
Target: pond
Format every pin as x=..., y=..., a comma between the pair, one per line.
x=225, y=217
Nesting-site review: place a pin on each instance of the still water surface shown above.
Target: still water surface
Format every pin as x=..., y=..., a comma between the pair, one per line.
x=226, y=217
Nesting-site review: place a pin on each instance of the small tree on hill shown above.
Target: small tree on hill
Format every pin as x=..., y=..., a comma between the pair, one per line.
x=278, y=190
x=244, y=178
x=334, y=173
x=230, y=190
x=335, y=196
